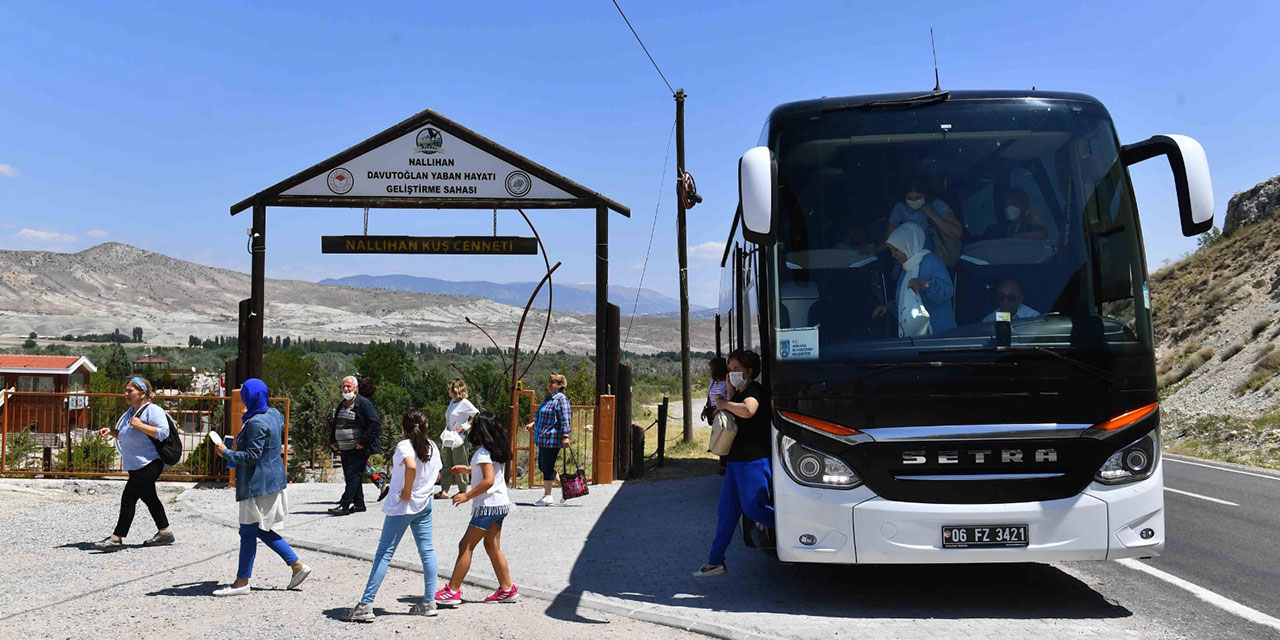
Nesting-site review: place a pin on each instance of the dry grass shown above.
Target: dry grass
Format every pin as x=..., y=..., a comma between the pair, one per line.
x=1264, y=370
x=1259, y=327
x=1232, y=351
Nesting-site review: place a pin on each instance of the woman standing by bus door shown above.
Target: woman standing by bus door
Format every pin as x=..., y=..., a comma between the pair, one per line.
x=747, y=487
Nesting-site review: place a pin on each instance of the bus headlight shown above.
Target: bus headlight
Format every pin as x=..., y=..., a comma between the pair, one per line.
x=815, y=469
x=1132, y=463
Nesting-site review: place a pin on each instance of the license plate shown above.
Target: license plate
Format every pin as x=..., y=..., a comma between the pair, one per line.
x=971, y=536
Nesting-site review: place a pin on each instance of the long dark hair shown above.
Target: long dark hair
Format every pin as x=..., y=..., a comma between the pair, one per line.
x=414, y=425
x=487, y=432
x=719, y=368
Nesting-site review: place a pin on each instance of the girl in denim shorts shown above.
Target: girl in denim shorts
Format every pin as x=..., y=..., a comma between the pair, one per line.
x=490, y=506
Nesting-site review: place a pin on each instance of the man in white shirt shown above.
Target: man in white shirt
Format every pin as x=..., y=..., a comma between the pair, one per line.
x=1009, y=300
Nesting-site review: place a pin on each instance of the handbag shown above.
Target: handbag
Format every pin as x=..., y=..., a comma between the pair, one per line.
x=946, y=247
x=572, y=485
x=724, y=428
x=913, y=316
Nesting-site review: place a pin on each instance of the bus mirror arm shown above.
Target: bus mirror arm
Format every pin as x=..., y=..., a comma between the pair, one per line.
x=1191, y=178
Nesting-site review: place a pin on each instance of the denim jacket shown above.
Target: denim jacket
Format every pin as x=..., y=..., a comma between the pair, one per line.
x=259, y=465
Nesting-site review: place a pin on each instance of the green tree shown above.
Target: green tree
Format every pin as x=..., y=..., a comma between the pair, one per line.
x=1209, y=238
x=117, y=367
x=29, y=344
x=386, y=363
x=312, y=407
x=580, y=382
x=391, y=401
x=137, y=334
x=287, y=371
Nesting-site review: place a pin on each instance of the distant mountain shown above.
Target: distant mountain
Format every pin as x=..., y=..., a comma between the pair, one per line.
x=115, y=285
x=569, y=298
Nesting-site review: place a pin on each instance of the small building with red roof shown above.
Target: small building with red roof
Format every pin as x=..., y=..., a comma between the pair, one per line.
x=29, y=374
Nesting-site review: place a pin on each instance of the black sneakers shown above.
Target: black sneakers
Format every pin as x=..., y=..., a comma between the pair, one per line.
x=159, y=539
x=340, y=510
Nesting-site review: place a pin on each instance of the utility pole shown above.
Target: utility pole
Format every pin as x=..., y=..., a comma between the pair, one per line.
x=685, y=382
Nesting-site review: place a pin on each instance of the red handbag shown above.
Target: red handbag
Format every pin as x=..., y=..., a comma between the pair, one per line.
x=572, y=485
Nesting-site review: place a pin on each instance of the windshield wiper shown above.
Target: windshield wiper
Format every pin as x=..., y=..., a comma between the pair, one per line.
x=907, y=103
x=1101, y=374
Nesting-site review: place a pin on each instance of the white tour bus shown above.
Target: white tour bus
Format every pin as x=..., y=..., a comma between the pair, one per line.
x=999, y=406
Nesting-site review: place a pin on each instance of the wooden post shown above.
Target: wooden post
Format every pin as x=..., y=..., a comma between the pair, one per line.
x=602, y=462
x=623, y=442
x=602, y=296
x=686, y=383
x=237, y=408
x=4, y=434
x=662, y=431
x=258, y=278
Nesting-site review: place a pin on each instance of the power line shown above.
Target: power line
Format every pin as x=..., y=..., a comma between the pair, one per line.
x=646, y=49
x=661, y=184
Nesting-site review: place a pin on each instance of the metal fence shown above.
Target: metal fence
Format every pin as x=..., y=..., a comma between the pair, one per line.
x=580, y=449
x=56, y=434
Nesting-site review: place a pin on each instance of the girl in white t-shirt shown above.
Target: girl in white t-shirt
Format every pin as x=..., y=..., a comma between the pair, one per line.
x=415, y=467
x=490, y=506
x=457, y=422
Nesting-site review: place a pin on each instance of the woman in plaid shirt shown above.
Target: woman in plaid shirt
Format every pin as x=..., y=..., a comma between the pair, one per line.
x=551, y=432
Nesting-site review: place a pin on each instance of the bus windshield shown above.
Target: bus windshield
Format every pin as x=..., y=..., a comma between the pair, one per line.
x=903, y=230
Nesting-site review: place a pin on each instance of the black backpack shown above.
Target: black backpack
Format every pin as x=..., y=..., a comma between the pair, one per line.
x=169, y=449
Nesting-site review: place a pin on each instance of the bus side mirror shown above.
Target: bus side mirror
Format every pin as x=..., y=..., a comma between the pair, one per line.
x=757, y=185
x=1190, y=176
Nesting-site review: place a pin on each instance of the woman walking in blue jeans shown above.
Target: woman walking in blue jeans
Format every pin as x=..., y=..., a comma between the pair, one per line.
x=414, y=469
x=260, y=487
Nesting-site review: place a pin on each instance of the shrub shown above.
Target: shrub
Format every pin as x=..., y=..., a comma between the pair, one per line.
x=1271, y=346
x=1205, y=354
x=1259, y=327
x=20, y=445
x=201, y=461
x=1263, y=371
x=93, y=454
x=1232, y=351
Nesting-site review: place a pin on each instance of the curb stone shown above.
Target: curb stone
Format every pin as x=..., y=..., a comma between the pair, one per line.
x=723, y=632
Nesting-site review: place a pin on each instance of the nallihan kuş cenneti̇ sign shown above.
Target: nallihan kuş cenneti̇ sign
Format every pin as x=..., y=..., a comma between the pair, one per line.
x=502, y=245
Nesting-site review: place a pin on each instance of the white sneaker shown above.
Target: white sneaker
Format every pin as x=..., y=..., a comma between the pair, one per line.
x=232, y=591
x=545, y=501
x=708, y=570
x=298, y=577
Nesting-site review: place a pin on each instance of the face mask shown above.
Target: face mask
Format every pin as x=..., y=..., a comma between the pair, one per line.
x=736, y=378
x=915, y=204
x=348, y=395
x=1011, y=212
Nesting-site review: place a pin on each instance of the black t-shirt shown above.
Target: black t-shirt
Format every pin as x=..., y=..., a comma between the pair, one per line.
x=752, y=441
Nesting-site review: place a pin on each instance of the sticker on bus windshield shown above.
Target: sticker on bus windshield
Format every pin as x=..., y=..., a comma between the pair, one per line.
x=800, y=343
x=1146, y=296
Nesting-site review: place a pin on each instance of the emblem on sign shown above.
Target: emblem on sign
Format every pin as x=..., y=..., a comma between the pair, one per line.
x=341, y=181
x=429, y=141
x=785, y=349
x=518, y=184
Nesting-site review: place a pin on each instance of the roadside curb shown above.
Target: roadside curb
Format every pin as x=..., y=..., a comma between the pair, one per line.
x=589, y=601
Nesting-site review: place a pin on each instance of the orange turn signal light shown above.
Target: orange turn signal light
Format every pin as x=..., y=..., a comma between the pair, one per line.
x=825, y=426
x=1127, y=418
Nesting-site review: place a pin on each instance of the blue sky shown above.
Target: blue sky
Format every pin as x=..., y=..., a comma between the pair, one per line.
x=142, y=122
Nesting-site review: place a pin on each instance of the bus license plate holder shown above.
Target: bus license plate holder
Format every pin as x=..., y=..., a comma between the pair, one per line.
x=984, y=536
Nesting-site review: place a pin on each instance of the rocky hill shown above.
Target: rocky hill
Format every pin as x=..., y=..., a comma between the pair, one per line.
x=115, y=285
x=1216, y=316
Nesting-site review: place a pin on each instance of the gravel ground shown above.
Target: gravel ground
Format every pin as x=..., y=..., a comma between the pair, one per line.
x=54, y=587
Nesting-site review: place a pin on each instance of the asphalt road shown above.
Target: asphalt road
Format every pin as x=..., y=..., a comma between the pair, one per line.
x=1231, y=549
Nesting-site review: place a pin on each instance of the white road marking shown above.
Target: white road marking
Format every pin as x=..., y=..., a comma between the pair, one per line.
x=1196, y=495
x=1209, y=466
x=1222, y=602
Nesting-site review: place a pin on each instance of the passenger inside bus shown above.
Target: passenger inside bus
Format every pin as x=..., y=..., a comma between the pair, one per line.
x=931, y=214
x=1009, y=300
x=1019, y=220
x=923, y=281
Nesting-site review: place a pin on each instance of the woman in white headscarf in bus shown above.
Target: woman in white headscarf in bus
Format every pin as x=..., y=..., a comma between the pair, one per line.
x=924, y=275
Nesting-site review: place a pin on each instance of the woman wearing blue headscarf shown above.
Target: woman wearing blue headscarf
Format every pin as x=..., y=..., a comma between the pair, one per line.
x=260, y=487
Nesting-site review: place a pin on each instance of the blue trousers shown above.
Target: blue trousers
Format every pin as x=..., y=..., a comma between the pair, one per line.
x=746, y=490
x=392, y=531
x=250, y=534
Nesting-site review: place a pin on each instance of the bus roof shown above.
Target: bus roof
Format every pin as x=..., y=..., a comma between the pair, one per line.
x=846, y=102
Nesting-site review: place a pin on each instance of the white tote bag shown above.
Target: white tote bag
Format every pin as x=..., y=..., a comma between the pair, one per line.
x=723, y=430
x=913, y=317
